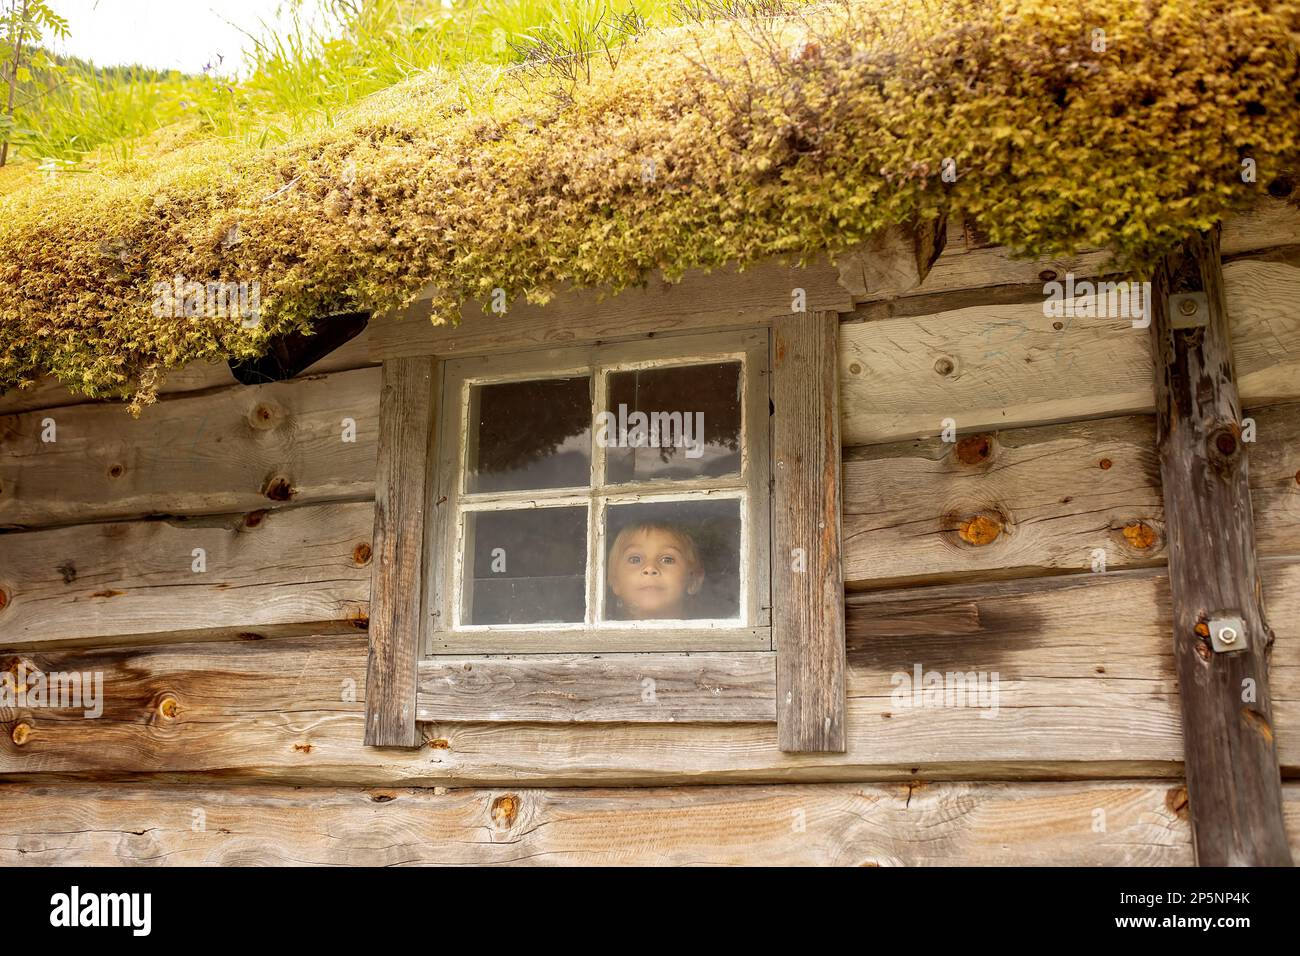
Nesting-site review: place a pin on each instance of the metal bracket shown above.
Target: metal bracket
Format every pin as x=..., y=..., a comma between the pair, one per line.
x=1189, y=310
x=1228, y=633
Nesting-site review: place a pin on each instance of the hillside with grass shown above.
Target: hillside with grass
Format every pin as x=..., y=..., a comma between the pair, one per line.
x=304, y=77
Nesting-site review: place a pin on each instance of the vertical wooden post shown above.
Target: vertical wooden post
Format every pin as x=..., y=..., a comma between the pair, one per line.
x=1233, y=784
x=807, y=578
x=396, y=587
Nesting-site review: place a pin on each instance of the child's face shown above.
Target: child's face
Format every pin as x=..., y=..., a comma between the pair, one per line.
x=651, y=575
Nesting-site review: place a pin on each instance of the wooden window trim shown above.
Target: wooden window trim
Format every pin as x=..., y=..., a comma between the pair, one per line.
x=592, y=688
x=805, y=672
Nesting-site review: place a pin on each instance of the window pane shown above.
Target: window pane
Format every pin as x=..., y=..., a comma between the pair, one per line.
x=673, y=560
x=527, y=435
x=678, y=422
x=526, y=566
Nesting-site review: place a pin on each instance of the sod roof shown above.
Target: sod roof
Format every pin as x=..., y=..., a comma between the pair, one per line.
x=1068, y=124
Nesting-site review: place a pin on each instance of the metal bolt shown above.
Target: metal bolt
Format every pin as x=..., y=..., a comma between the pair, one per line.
x=1228, y=635
x=1187, y=306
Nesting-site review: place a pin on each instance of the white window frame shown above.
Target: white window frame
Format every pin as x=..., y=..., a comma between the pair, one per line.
x=449, y=502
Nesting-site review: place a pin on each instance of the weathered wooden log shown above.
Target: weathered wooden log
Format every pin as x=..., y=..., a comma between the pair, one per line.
x=1142, y=823
x=807, y=572
x=1082, y=693
x=1230, y=751
x=893, y=262
x=1047, y=499
x=195, y=377
x=728, y=297
x=616, y=688
x=999, y=366
x=265, y=572
x=232, y=449
x=405, y=437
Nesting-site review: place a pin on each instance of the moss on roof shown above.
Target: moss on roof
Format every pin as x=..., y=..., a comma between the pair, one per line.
x=728, y=141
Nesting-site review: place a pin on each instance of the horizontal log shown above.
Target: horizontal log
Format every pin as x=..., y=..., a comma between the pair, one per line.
x=970, y=263
x=731, y=297
x=1009, y=365
x=1086, y=689
x=725, y=298
x=1001, y=504
x=195, y=377
x=635, y=688
x=991, y=506
x=286, y=569
x=1036, y=500
x=235, y=449
x=1139, y=823
x=1275, y=478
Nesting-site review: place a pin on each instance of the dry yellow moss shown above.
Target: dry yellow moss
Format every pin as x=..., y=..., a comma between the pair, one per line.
x=726, y=142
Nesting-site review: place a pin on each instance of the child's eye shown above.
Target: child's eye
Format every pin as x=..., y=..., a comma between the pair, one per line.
x=634, y=559
x=668, y=559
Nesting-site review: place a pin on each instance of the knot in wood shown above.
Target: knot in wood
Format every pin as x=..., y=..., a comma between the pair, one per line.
x=264, y=416
x=1225, y=443
x=980, y=530
x=974, y=449
x=1139, y=535
x=505, y=810
x=277, y=488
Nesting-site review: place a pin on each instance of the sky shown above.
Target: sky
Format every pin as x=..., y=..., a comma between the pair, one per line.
x=169, y=34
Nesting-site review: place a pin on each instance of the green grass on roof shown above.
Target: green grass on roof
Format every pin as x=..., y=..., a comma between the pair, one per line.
x=691, y=147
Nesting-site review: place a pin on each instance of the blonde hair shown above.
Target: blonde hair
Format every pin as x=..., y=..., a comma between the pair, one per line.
x=690, y=554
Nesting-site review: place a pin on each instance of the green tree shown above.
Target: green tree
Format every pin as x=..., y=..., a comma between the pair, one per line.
x=25, y=24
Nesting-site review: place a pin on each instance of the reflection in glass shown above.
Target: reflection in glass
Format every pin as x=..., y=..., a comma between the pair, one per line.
x=529, y=435
x=673, y=422
x=526, y=566
x=673, y=560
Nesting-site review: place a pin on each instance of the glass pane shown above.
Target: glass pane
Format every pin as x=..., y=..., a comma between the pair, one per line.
x=679, y=422
x=526, y=566
x=673, y=560
x=527, y=435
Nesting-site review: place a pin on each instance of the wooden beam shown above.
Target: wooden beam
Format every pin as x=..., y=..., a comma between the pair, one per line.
x=893, y=262
x=1230, y=752
x=263, y=573
x=617, y=688
x=846, y=824
x=405, y=433
x=195, y=377
x=1029, y=501
x=807, y=577
x=234, y=449
x=1004, y=504
x=728, y=297
x=1083, y=693
x=999, y=366
x=968, y=264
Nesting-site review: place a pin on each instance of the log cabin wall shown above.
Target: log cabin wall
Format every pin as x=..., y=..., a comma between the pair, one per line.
x=232, y=722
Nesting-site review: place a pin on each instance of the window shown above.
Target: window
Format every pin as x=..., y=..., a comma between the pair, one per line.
x=637, y=532
x=607, y=498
